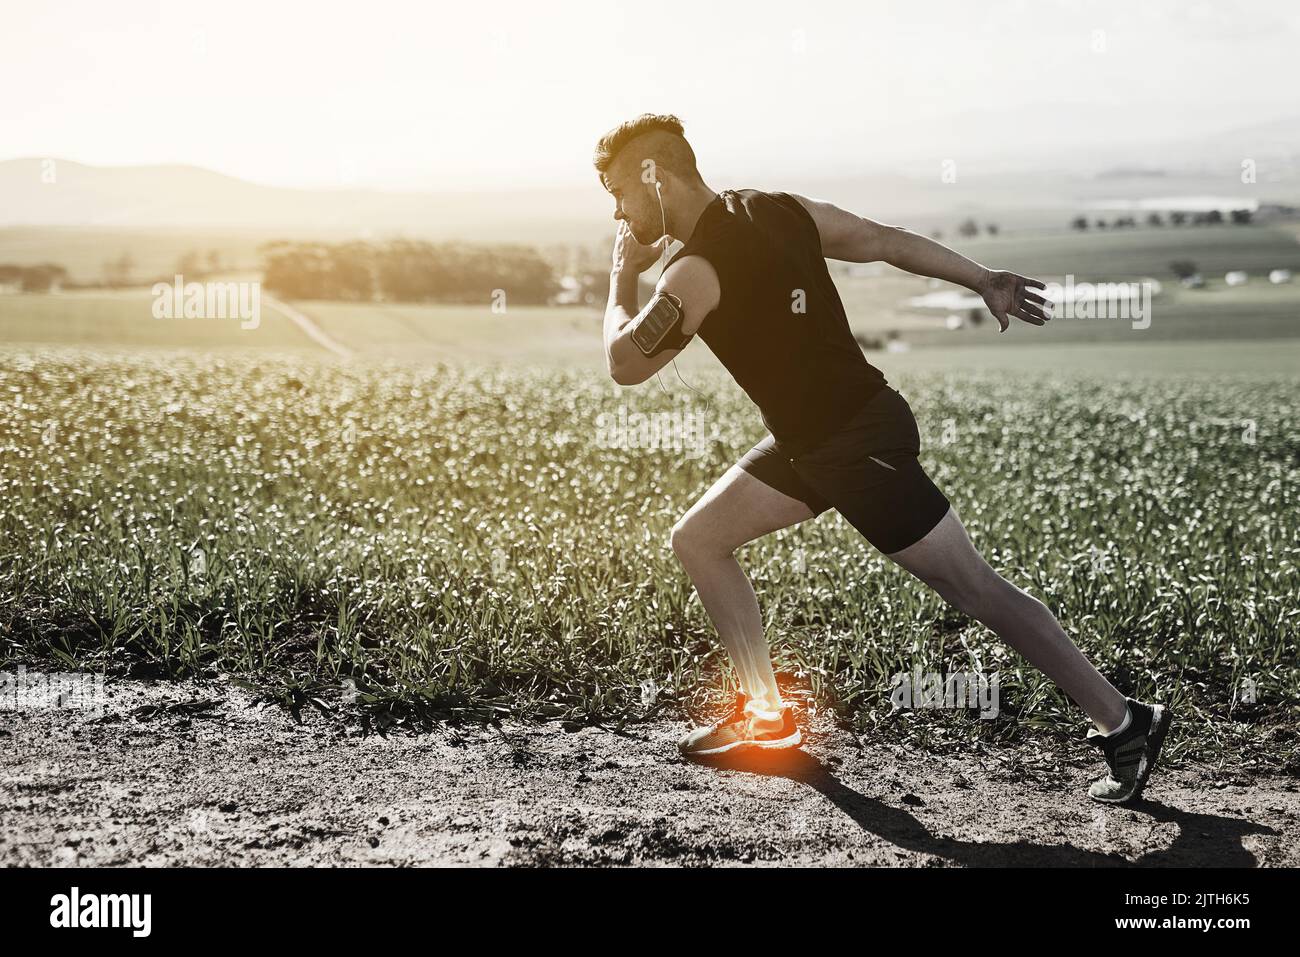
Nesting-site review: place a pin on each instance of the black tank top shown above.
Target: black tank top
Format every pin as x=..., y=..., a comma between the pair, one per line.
x=780, y=328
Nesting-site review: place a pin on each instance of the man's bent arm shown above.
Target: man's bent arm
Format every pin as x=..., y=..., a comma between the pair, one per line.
x=691, y=279
x=620, y=313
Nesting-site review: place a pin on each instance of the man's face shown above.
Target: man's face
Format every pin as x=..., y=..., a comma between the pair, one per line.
x=635, y=201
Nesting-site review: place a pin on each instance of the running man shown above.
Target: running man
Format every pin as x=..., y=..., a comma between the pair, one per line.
x=751, y=281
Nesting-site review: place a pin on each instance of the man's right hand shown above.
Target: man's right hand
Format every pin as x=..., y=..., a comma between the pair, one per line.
x=632, y=255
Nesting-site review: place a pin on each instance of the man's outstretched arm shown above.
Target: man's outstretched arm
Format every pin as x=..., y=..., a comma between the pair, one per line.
x=852, y=238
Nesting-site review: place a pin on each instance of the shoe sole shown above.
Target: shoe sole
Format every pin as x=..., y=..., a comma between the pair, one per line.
x=792, y=741
x=1161, y=718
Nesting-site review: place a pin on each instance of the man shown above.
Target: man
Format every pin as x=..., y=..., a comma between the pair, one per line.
x=751, y=281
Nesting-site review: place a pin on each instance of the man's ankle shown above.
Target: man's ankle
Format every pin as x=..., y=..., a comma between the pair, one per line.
x=1122, y=726
x=764, y=710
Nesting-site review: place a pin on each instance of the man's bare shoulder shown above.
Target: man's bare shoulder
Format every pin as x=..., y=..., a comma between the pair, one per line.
x=844, y=235
x=693, y=280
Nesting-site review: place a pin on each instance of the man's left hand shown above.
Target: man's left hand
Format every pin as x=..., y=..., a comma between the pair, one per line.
x=1008, y=294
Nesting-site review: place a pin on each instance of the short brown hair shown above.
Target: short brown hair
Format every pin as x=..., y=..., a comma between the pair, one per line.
x=672, y=152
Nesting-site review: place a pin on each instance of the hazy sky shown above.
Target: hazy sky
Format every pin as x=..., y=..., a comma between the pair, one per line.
x=467, y=95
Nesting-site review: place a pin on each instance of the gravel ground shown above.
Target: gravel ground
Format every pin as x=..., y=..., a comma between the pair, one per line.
x=199, y=773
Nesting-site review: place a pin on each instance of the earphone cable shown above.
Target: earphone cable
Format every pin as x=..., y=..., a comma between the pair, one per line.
x=663, y=267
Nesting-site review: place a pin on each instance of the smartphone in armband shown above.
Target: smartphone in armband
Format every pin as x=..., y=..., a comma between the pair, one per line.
x=660, y=327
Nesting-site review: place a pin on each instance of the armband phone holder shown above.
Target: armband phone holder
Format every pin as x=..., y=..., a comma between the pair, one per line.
x=660, y=327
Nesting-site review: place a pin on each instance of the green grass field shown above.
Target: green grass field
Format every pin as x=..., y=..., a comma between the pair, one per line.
x=466, y=540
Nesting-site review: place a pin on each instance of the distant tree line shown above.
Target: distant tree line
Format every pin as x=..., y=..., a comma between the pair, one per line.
x=119, y=272
x=195, y=264
x=969, y=229
x=41, y=278
x=404, y=270
x=1213, y=217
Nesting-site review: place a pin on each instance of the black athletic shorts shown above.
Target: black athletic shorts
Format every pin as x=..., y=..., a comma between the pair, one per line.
x=867, y=471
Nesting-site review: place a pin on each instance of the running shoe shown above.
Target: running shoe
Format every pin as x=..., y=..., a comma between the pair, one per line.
x=738, y=729
x=1130, y=754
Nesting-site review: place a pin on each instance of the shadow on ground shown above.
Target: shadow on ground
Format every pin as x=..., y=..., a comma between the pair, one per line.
x=1200, y=836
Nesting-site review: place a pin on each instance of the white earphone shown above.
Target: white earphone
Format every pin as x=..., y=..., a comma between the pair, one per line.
x=663, y=266
x=663, y=216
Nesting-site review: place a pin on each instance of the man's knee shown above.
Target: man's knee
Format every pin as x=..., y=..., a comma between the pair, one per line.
x=683, y=539
x=972, y=592
x=691, y=541
x=986, y=596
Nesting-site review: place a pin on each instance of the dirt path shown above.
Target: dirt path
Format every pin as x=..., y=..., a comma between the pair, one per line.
x=309, y=327
x=196, y=773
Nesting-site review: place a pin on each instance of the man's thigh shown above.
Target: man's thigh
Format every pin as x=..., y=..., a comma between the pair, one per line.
x=737, y=509
x=947, y=560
